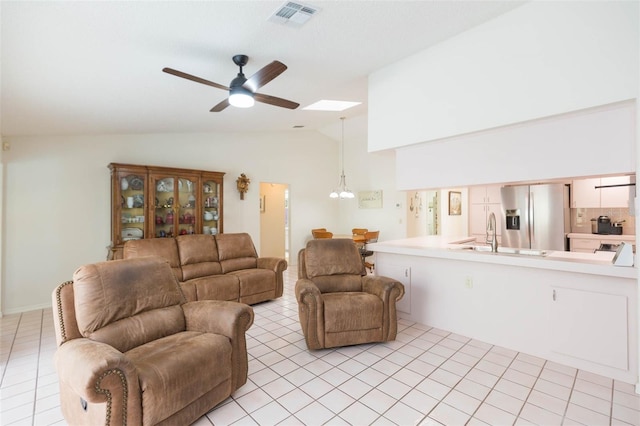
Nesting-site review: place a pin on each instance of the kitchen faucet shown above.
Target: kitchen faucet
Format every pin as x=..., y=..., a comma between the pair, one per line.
x=491, y=228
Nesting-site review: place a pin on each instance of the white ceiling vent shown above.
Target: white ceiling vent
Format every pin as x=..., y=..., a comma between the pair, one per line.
x=293, y=13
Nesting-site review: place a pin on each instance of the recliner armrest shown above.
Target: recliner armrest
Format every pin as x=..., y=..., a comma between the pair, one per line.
x=95, y=370
x=230, y=319
x=311, y=312
x=218, y=316
x=382, y=287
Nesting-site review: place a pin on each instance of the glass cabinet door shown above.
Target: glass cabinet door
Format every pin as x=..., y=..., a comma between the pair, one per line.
x=130, y=220
x=188, y=223
x=211, y=207
x=164, y=206
x=175, y=205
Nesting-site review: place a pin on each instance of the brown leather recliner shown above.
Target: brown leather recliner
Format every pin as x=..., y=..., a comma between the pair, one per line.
x=338, y=304
x=132, y=351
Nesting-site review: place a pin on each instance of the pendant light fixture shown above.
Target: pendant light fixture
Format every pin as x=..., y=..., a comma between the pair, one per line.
x=342, y=191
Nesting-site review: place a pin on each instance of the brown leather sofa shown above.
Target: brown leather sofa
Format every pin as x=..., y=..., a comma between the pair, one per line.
x=220, y=267
x=132, y=351
x=338, y=304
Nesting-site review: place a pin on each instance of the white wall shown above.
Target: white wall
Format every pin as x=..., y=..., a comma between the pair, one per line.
x=57, y=194
x=596, y=141
x=538, y=60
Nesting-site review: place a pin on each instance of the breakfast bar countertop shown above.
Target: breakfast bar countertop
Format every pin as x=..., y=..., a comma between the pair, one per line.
x=457, y=248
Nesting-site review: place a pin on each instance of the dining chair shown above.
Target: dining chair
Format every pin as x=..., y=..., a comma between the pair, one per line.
x=369, y=237
x=322, y=234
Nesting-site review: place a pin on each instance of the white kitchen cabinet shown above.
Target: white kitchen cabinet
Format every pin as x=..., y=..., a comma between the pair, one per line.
x=588, y=243
x=401, y=273
x=484, y=200
x=585, y=195
x=583, y=245
x=616, y=196
x=489, y=194
x=590, y=325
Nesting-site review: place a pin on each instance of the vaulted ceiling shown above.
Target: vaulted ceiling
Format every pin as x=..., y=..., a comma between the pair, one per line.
x=95, y=67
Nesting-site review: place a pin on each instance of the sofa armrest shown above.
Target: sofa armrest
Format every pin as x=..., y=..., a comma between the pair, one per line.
x=389, y=291
x=100, y=374
x=311, y=313
x=230, y=319
x=277, y=265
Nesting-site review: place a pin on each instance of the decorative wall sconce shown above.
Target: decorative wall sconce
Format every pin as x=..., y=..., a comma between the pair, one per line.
x=418, y=204
x=243, y=184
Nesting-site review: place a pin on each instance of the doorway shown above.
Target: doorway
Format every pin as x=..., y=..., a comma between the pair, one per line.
x=274, y=220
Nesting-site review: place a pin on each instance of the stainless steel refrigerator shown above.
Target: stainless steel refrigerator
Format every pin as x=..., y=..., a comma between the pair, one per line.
x=535, y=216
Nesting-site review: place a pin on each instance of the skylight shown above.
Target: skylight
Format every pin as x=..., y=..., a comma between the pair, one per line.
x=327, y=105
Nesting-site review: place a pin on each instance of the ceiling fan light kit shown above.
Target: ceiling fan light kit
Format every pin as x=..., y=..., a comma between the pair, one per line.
x=242, y=91
x=241, y=97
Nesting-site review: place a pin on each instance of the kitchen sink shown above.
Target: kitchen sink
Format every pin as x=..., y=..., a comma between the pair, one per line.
x=506, y=250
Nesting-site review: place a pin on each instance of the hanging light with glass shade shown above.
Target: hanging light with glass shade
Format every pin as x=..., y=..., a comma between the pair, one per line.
x=342, y=191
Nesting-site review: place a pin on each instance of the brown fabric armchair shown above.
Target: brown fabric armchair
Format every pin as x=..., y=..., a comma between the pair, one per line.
x=132, y=351
x=338, y=304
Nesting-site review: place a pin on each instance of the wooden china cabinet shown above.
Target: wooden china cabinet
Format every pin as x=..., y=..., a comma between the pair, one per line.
x=160, y=202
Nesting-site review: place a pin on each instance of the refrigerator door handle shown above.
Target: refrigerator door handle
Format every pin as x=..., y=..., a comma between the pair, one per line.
x=532, y=222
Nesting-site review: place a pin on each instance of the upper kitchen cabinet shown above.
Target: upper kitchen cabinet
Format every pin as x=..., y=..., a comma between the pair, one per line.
x=616, y=196
x=585, y=195
x=157, y=202
x=484, y=194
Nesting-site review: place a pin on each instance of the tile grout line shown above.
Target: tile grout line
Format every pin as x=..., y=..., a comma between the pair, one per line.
x=35, y=393
x=13, y=341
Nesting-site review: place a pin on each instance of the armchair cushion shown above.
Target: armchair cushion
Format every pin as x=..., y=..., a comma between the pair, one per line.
x=197, y=357
x=332, y=257
x=150, y=310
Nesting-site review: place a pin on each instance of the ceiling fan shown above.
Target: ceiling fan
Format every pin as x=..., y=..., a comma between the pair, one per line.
x=242, y=91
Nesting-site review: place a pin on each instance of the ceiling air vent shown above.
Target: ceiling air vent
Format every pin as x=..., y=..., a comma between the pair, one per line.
x=292, y=13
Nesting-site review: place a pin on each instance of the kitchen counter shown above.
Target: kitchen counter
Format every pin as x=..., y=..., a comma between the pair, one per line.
x=456, y=248
x=572, y=308
x=603, y=237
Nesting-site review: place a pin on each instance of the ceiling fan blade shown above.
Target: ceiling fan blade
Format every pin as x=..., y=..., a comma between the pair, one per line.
x=265, y=75
x=222, y=105
x=272, y=100
x=194, y=78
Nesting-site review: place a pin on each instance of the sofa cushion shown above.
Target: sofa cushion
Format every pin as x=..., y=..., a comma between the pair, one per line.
x=215, y=287
x=166, y=248
x=203, y=360
x=114, y=296
x=236, y=251
x=254, y=281
x=198, y=256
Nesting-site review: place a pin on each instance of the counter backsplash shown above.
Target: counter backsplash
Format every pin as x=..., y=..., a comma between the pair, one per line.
x=581, y=219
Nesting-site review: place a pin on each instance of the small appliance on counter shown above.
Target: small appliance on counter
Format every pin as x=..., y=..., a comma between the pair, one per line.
x=616, y=228
x=604, y=226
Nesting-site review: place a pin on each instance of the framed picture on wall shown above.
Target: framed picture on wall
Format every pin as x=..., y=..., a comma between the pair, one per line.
x=455, y=203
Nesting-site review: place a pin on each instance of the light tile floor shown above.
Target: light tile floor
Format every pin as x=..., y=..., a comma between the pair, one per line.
x=427, y=377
